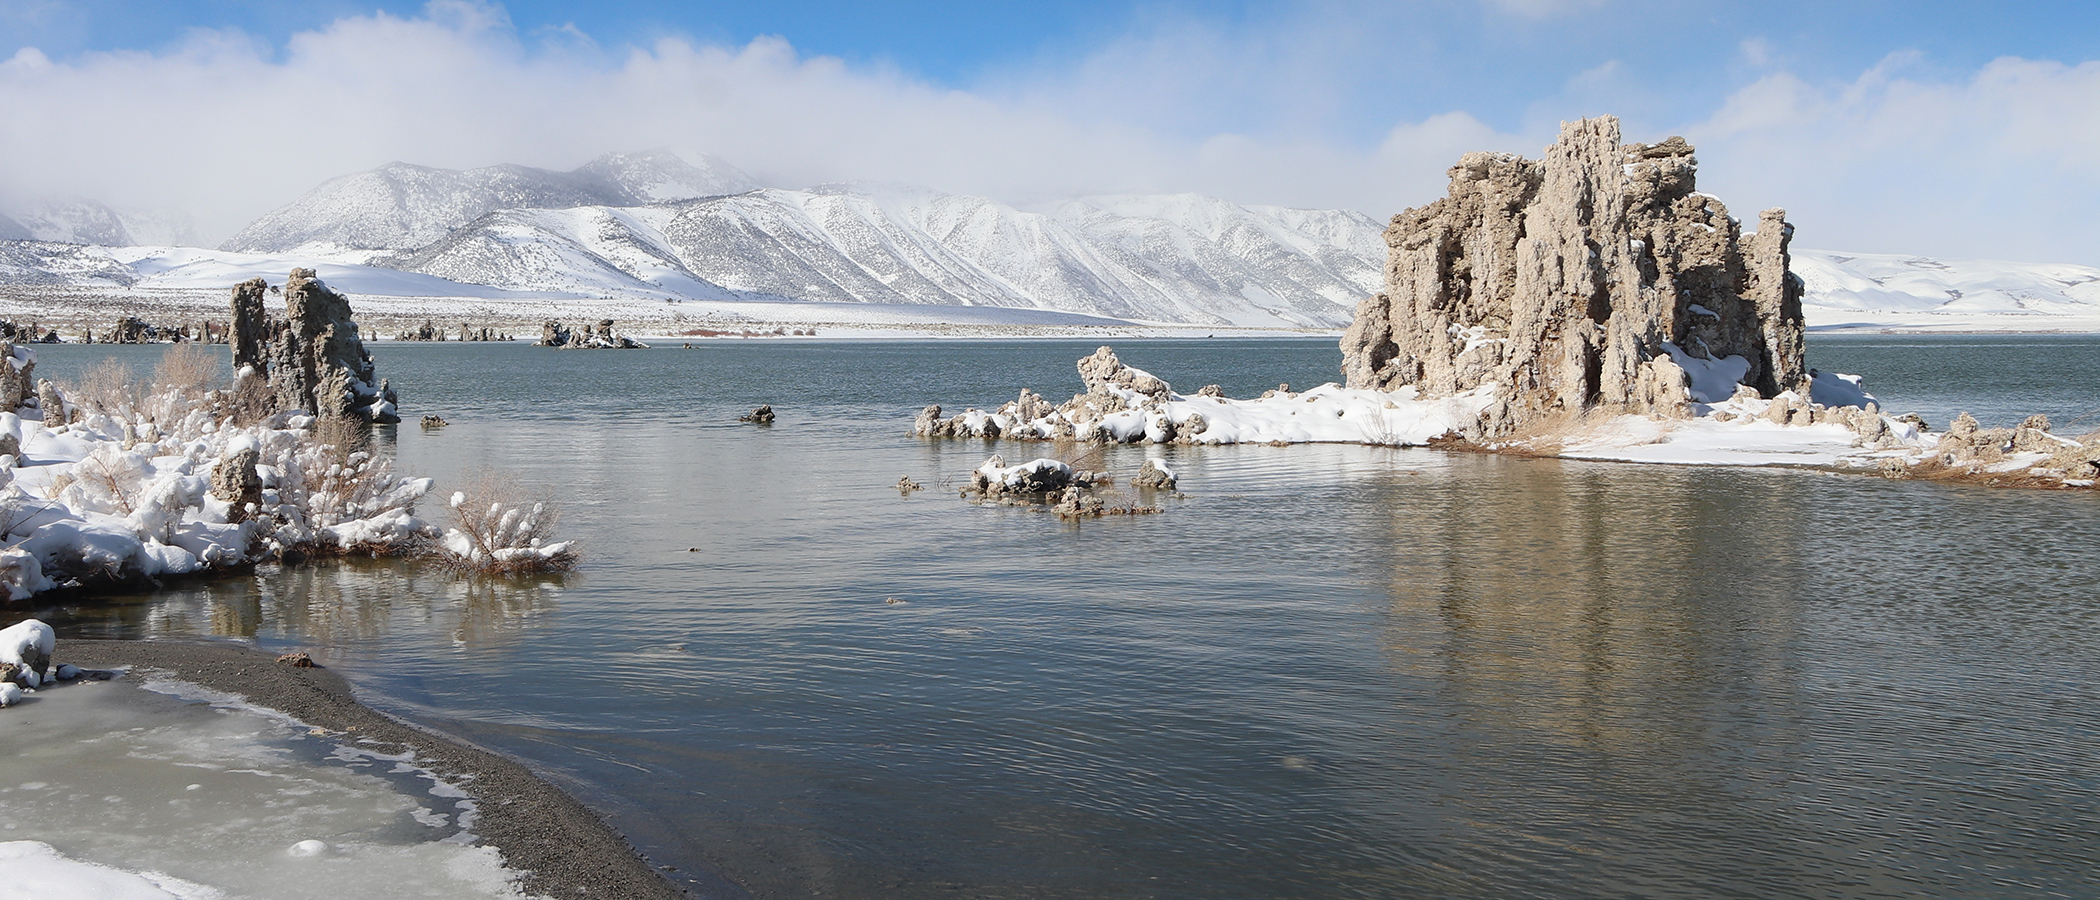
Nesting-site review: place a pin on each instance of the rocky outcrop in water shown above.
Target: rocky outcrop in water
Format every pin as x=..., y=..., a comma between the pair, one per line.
x=1121, y=404
x=1592, y=278
x=312, y=358
x=555, y=334
x=429, y=331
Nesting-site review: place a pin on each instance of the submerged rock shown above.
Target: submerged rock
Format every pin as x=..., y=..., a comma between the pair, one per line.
x=1596, y=277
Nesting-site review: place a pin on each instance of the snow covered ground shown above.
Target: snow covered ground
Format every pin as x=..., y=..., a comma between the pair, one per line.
x=1876, y=292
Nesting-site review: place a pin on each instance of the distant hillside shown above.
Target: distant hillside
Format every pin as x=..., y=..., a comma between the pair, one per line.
x=654, y=227
x=402, y=207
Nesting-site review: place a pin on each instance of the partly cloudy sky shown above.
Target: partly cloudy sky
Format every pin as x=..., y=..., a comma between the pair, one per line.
x=1951, y=129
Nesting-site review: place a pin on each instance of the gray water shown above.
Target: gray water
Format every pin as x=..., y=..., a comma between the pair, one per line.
x=1323, y=671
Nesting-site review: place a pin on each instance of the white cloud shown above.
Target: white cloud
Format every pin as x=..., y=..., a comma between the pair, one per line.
x=2005, y=164
x=1301, y=113
x=227, y=127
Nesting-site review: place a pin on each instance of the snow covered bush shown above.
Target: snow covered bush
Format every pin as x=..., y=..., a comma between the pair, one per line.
x=497, y=533
x=132, y=480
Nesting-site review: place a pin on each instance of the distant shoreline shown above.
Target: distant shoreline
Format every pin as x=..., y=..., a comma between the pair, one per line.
x=380, y=316
x=561, y=848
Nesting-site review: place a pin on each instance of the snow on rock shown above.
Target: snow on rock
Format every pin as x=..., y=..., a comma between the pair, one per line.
x=140, y=492
x=1036, y=476
x=1834, y=389
x=1123, y=404
x=27, y=645
x=1837, y=425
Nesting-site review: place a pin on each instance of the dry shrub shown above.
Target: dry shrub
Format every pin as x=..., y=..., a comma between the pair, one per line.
x=249, y=401
x=343, y=436
x=108, y=387
x=496, y=531
x=190, y=368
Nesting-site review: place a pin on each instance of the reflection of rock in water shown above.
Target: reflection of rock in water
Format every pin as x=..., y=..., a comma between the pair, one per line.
x=365, y=600
x=344, y=601
x=1591, y=609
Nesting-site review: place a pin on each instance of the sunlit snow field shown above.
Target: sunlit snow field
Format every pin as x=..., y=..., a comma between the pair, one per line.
x=1325, y=671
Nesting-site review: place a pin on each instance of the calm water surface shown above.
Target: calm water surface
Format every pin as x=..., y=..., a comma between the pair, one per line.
x=1325, y=671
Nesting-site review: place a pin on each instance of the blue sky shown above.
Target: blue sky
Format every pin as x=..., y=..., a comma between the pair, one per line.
x=1946, y=128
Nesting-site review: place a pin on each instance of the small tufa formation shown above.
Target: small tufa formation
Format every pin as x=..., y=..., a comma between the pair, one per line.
x=1121, y=405
x=429, y=331
x=312, y=358
x=555, y=334
x=763, y=415
x=995, y=479
x=18, y=382
x=238, y=484
x=1155, y=476
x=1591, y=278
x=2029, y=449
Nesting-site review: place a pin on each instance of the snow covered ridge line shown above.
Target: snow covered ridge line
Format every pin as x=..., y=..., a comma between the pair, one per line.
x=1839, y=425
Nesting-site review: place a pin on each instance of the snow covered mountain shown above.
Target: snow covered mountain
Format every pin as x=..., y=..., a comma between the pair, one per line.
x=1179, y=258
x=654, y=227
x=1877, y=290
x=402, y=207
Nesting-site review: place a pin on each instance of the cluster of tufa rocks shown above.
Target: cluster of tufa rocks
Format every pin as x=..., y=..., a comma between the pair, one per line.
x=429, y=331
x=555, y=334
x=312, y=359
x=2028, y=451
x=134, y=330
x=1564, y=283
x=1069, y=492
x=1089, y=417
x=31, y=333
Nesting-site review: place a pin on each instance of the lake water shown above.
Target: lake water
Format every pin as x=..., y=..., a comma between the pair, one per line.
x=1322, y=672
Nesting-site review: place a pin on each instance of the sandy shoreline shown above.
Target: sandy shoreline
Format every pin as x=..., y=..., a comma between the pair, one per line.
x=563, y=849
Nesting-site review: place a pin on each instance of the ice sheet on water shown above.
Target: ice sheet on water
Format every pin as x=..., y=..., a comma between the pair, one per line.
x=205, y=792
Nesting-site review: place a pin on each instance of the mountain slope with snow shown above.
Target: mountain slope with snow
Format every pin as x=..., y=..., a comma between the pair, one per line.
x=401, y=207
x=1170, y=259
x=656, y=227
x=1916, y=293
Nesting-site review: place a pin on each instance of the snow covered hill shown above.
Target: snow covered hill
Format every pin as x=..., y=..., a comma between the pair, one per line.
x=656, y=228
x=1171, y=259
x=1872, y=291
x=402, y=207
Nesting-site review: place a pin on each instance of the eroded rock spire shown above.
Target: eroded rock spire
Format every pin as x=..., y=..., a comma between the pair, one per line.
x=1594, y=277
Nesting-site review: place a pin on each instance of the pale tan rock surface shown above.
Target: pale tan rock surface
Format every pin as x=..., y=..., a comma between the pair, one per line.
x=1559, y=281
